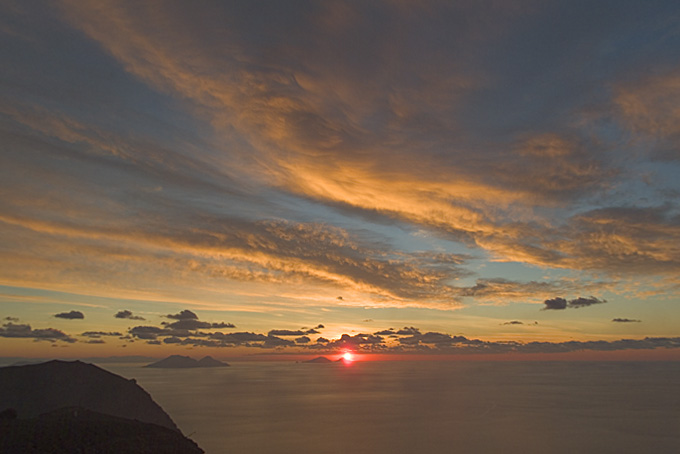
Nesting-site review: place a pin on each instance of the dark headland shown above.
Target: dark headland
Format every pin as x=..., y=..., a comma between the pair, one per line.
x=65, y=407
x=185, y=362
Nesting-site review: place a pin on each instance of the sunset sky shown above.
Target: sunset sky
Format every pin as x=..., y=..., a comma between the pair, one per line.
x=250, y=177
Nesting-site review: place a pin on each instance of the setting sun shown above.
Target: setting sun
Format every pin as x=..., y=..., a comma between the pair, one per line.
x=348, y=356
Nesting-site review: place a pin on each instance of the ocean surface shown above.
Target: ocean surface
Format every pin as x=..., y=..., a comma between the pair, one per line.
x=422, y=406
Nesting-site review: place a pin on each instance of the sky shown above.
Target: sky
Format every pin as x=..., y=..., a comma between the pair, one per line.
x=239, y=178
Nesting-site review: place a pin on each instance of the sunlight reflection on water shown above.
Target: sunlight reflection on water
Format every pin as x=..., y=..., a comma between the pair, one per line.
x=423, y=407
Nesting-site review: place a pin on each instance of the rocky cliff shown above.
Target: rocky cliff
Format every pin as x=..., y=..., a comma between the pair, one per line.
x=76, y=405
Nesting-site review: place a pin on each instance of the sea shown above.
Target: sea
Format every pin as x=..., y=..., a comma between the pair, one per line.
x=404, y=407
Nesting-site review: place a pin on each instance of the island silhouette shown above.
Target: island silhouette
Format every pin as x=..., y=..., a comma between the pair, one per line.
x=186, y=362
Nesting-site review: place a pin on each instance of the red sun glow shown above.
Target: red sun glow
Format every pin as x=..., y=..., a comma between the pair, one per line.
x=348, y=356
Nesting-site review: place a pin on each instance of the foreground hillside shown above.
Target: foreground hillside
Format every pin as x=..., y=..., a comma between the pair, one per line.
x=61, y=406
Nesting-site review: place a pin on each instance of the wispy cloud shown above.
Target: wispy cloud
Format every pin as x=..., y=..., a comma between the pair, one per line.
x=290, y=152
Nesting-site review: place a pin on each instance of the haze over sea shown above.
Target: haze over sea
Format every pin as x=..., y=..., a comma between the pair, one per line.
x=423, y=406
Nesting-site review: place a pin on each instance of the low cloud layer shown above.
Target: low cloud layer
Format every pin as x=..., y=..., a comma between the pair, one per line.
x=408, y=339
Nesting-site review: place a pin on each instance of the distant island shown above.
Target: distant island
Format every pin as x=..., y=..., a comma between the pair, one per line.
x=71, y=406
x=318, y=360
x=186, y=362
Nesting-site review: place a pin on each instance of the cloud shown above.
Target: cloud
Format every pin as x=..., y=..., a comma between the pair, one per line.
x=625, y=320
x=277, y=342
x=438, y=339
x=11, y=319
x=97, y=334
x=561, y=303
x=386, y=332
x=411, y=340
x=358, y=340
x=555, y=304
x=648, y=106
x=285, y=332
x=188, y=324
x=148, y=332
x=188, y=321
x=183, y=315
x=502, y=291
x=407, y=331
x=25, y=331
x=72, y=315
x=585, y=302
x=239, y=338
x=222, y=325
x=127, y=315
x=418, y=128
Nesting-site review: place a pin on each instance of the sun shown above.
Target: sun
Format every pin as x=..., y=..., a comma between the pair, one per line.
x=348, y=356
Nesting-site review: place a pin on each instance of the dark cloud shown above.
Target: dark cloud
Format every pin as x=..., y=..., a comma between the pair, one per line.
x=513, y=322
x=555, y=304
x=561, y=303
x=11, y=319
x=625, y=320
x=183, y=315
x=408, y=331
x=585, y=302
x=95, y=341
x=385, y=332
x=322, y=340
x=25, y=331
x=188, y=324
x=220, y=325
x=127, y=315
x=239, y=337
x=438, y=339
x=97, y=334
x=276, y=342
x=172, y=340
x=147, y=332
x=285, y=332
x=188, y=321
x=303, y=340
x=73, y=315
x=358, y=340
x=197, y=324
